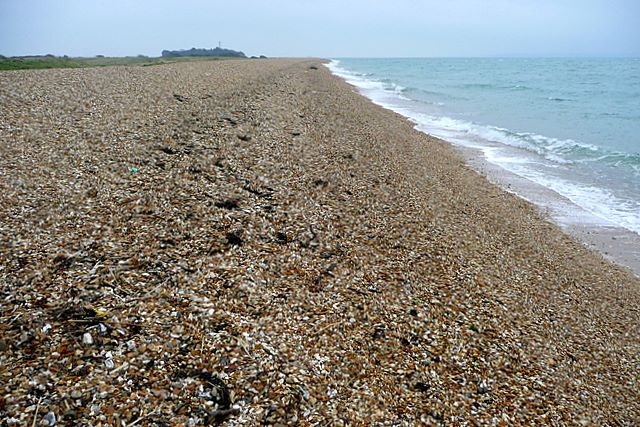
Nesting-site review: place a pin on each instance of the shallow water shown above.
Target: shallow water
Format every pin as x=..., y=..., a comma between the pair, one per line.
x=570, y=125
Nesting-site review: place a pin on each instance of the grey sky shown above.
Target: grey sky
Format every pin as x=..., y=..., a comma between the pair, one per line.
x=329, y=28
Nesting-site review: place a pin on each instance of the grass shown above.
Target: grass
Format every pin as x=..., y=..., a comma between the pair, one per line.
x=23, y=63
x=49, y=61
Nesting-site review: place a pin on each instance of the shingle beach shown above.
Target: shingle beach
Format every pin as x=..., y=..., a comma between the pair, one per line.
x=252, y=242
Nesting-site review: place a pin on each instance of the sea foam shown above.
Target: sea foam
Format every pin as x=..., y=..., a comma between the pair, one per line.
x=544, y=160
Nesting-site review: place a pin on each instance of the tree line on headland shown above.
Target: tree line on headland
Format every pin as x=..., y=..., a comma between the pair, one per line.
x=217, y=52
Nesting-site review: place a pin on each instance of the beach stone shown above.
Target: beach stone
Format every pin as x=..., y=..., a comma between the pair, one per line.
x=70, y=415
x=108, y=362
x=378, y=333
x=168, y=150
x=50, y=419
x=422, y=387
x=483, y=387
x=87, y=339
x=228, y=204
x=234, y=237
x=229, y=118
x=281, y=238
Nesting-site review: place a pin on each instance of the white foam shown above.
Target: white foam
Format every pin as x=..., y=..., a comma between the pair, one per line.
x=593, y=204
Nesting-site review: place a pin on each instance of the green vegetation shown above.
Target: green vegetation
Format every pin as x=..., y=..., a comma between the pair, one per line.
x=50, y=61
x=22, y=63
x=217, y=52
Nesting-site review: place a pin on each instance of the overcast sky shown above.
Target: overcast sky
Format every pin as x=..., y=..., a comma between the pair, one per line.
x=327, y=28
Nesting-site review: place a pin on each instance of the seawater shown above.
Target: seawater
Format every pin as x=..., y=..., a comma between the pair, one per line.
x=570, y=125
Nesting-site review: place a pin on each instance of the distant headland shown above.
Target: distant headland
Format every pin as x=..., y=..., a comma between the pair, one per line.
x=217, y=52
x=52, y=61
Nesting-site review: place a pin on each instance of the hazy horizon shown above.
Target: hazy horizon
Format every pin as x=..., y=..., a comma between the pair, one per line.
x=332, y=29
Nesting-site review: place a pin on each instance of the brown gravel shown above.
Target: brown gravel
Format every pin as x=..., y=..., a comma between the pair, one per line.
x=252, y=242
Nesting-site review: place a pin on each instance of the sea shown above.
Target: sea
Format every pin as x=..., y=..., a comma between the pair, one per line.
x=568, y=126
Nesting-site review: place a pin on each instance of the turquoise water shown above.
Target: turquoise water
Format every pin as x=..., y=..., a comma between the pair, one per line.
x=571, y=125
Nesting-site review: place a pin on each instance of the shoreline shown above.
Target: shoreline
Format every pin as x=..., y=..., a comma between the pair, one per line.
x=256, y=242
x=615, y=243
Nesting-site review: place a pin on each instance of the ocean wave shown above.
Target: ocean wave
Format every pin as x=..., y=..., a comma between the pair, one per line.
x=552, y=153
x=364, y=80
x=519, y=87
x=560, y=151
x=477, y=86
x=553, y=149
x=616, y=159
x=598, y=201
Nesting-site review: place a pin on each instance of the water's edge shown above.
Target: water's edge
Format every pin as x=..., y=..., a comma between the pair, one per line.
x=616, y=244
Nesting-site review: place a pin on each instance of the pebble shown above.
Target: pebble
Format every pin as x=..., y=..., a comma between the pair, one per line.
x=87, y=339
x=108, y=360
x=158, y=245
x=50, y=419
x=483, y=387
